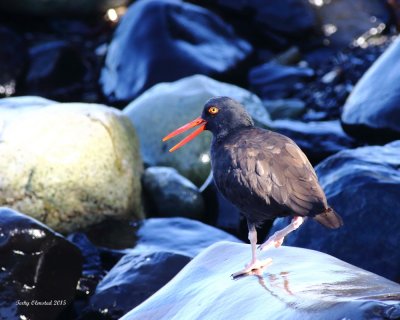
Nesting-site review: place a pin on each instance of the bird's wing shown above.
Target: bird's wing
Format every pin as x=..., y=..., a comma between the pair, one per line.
x=275, y=172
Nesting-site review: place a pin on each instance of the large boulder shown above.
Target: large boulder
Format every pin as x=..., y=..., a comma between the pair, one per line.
x=60, y=7
x=68, y=165
x=300, y=284
x=165, y=40
x=168, y=106
x=169, y=194
x=363, y=186
x=372, y=111
x=179, y=235
x=39, y=269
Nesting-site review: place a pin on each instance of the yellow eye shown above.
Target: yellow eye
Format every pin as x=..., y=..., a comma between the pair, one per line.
x=213, y=110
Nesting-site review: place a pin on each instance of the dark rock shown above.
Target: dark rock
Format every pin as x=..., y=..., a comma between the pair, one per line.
x=133, y=279
x=372, y=112
x=345, y=21
x=179, y=235
x=318, y=140
x=158, y=41
x=170, y=195
x=56, y=71
x=363, y=186
x=13, y=61
x=92, y=269
x=276, y=23
x=60, y=8
x=38, y=266
x=300, y=284
x=275, y=81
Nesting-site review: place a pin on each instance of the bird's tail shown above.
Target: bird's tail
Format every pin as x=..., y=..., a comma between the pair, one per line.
x=329, y=218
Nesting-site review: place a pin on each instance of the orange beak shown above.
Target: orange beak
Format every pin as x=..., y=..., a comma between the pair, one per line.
x=196, y=122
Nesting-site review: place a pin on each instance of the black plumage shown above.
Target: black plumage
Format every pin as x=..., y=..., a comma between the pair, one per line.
x=263, y=173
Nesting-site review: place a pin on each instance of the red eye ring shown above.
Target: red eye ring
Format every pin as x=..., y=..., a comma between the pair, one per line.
x=213, y=110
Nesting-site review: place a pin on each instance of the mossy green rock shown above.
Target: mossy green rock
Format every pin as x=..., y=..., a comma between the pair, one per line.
x=167, y=106
x=68, y=165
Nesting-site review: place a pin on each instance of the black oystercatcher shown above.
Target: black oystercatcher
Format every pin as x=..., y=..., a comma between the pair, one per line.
x=263, y=173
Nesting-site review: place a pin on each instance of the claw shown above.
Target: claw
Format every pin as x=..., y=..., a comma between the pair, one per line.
x=252, y=267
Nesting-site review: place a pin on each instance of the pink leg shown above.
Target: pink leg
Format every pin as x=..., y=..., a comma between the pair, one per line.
x=254, y=263
x=277, y=238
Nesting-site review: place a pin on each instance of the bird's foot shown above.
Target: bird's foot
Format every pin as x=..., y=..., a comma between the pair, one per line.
x=251, y=267
x=274, y=241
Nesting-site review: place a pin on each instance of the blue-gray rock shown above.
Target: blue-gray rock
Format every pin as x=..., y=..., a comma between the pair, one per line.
x=165, y=40
x=343, y=22
x=13, y=61
x=318, y=140
x=171, y=195
x=132, y=280
x=363, y=186
x=179, y=235
x=275, y=81
x=38, y=266
x=372, y=111
x=285, y=108
x=300, y=284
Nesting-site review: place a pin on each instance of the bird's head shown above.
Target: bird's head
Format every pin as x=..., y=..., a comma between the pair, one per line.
x=220, y=115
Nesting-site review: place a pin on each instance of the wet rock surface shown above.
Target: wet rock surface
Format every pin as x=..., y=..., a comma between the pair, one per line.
x=171, y=195
x=299, y=284
x=318, y=140
x=131, y=281
x=179, y=235
x=374, y=115
x=168, y=106
x=27, y=245
x=71, y=166
x=363, y=186
x=176, y=40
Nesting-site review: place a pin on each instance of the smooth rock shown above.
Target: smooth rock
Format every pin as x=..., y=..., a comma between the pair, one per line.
x=166, y=40
x=68, y=165
x=372, y=111
x=179, y=235
x=318, y=140
x=344, y=21
x=300, y=284
x=56, y=71
x=171, y=195
x=285, y=108
x=168, y=106
x=132, y=280
x=363, y=186
x=275, y=81
x=38, y=267
x=13, y=61
x=60, y=7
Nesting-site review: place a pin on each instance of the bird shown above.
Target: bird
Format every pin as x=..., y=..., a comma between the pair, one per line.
x=261, y=172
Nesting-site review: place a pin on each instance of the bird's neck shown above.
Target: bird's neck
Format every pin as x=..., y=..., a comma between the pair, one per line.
x=226, y=133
